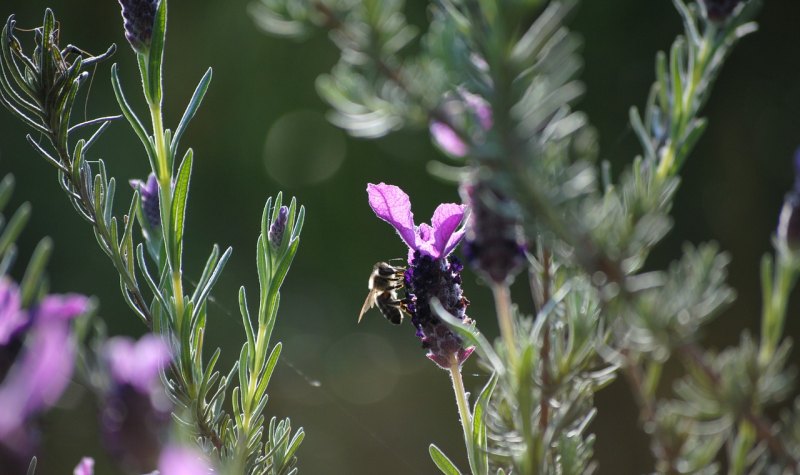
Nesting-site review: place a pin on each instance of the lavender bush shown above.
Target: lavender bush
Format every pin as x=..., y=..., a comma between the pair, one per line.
x=494, y=84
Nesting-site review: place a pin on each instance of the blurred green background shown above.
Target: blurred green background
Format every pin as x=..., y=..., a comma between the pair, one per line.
x=262, y=130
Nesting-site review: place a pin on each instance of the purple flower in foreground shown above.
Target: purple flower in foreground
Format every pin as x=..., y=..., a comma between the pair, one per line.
x=148, y=191
x=494, y=244
x=278, y=228
x=431, y=273
x=470, y=113
x=84, y=467
x=789, y=221
x=136, y=415
x=138, y=17
x=177, y=460
x=36, y=362
x=720, y=10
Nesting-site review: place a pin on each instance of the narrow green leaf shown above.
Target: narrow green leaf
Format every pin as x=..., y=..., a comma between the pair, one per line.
x=156, y=53
x=133, y=120
x=14, y=227
x=191, y=110
x=479, y=442
x=31, y=281
x=179, y=197
x=200, y=298
x=442, y=462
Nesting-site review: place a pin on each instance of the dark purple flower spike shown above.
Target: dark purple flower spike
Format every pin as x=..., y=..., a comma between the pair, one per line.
x=138, y=17
x=494, y=243
x=431, y=273
x=278, y=228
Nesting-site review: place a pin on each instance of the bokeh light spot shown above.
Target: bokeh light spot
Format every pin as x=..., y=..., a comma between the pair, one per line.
x=302, y=148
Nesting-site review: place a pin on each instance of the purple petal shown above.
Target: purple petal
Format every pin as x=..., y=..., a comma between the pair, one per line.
x=425, y=241
x=392, y=205
x=85, y=467
x=137, y=363
x=38, y=379
x=446, y=138
x=12, y=318
x=445, y=221
x=61, y=307
x=183, y=461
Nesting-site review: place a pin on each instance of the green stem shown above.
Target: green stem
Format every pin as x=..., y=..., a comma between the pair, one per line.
x=774, y=311
x=461, y=401
x=502, y=302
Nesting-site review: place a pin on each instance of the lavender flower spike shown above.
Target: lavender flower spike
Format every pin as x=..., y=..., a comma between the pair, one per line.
x=431, y=273
x=719, y=10
x=138, y=17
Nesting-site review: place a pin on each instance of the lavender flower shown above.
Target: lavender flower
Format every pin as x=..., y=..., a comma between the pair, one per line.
x=469, y=112
x=177, y=460
x=494, y=243
x=36, y=362
x=431, y=272
x=149, y=196
x=278, y=227
x=137, y=412
x=138, y=17
x=84, y=467
x=789, y=221
x=719, y=10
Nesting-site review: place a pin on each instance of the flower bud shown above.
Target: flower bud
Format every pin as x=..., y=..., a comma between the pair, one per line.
x=278, y=227
x=719, y=10
x=138, y=18
x=470, y=113
x=148, y=191
x=789, y=221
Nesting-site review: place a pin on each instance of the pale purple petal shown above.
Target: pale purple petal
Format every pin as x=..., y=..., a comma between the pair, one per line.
x=445, y=221
x=37, y=380
x=12, y=318
x=425, y=241
x=85, y=467
x=447, y=139
x=177, y=460
x=455, y=238
x=392, y=205
x=137, y=363
x=61, y=307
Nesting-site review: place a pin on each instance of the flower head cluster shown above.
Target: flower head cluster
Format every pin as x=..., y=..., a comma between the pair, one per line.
x=136, y=415
x=431, y=273
x=148, y=191
x=788, y=232
x=719, y=10
x=36, y=363
x=494, y=243
x=138, y=17
x=470, y=113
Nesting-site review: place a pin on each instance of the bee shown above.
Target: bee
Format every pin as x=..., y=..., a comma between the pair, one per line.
x=384, y=282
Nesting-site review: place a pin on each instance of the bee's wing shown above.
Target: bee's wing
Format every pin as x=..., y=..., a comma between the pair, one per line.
x=368, y=304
